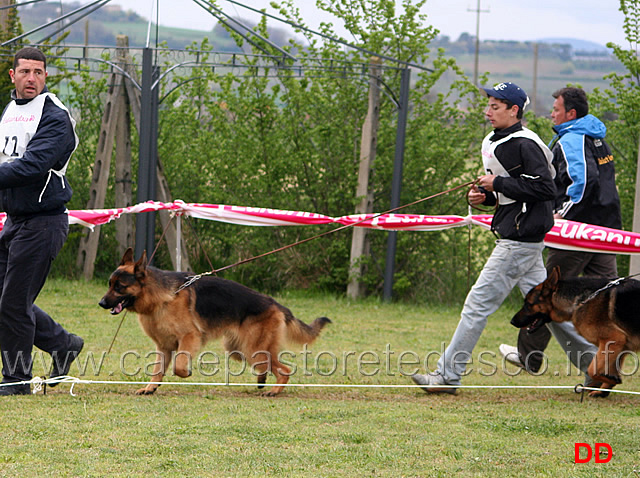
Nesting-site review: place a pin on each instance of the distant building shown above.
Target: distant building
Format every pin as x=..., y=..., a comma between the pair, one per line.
x=112, y=8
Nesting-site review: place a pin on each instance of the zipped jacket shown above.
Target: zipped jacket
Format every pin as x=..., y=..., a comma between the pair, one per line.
x=586, y=178
x=34, y=182
x=525, y=180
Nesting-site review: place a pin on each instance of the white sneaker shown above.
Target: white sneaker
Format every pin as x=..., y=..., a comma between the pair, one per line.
x=433, y=383
x=511, y=355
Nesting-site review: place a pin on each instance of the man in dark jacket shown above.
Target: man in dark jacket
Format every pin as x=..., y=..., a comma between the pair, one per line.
x=587, y=193
x=519, y=175
x=38, y=137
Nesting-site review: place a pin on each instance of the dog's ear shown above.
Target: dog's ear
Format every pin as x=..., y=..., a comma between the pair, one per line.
x=551, y=283
x=141, y=266
x=127, y=258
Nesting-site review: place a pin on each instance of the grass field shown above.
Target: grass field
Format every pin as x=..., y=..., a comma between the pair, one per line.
x=232, y=431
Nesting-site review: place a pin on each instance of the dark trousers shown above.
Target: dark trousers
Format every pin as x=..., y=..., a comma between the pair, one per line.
x=27, y=249
x=531, y=347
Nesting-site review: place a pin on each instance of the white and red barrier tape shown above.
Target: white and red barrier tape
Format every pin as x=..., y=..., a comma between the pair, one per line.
x=564, y=235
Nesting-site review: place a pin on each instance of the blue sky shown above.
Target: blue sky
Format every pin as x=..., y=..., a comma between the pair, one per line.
x=599, y=21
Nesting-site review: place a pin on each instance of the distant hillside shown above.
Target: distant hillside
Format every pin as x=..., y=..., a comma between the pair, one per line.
x=107, y=22
x=560, y=60
x=583, y=46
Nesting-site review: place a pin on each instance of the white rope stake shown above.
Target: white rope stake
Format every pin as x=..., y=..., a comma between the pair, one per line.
x=37, y=384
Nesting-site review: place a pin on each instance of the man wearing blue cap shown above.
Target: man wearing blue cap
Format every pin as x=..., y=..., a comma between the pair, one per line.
x=519, y=180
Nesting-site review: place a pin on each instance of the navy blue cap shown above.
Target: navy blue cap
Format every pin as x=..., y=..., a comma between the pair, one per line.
x=510, y=92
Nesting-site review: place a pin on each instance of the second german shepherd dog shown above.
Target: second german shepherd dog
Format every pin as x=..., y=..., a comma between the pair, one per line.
x=604, y=313
x=180, y=322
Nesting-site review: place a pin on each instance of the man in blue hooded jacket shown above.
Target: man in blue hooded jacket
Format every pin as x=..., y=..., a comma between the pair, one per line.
x=585, y=181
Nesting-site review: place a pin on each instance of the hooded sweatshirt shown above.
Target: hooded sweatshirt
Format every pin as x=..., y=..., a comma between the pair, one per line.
x=585, y=177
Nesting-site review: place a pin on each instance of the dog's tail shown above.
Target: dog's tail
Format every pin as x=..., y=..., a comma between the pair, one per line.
x=301, y=333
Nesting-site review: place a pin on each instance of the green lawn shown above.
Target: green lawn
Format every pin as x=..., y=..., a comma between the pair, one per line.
x=215, y=430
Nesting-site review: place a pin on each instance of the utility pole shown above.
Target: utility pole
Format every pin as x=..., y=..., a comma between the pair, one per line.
x=634, y=263
x=478, y=11
x=534, y=97
x=396, y=181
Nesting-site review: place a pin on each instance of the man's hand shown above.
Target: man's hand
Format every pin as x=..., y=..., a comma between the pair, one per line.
x=476, y=196
x=486, y=181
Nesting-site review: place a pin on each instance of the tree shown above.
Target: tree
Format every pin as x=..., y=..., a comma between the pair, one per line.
x=619, y=107
x=274, y=134
x=11, y=29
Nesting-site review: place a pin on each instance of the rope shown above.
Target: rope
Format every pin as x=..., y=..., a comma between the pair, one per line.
x=37, y=382
x=194, y=278
x=346, y=226
x=117, y=331
x=195, y=233
x=166, y=228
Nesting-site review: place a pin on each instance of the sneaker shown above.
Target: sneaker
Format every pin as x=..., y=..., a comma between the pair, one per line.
x=22, y=389
x=62, y=361
x=433, y=383
x=511, y=354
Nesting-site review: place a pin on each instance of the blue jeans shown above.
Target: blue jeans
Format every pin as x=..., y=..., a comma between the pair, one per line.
x=511, y=264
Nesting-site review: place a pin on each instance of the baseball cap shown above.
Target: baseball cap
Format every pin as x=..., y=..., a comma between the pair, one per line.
x=508, y=91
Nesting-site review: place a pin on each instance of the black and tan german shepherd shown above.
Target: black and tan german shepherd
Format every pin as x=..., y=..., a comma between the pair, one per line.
x=180, y=322
x=606, y=314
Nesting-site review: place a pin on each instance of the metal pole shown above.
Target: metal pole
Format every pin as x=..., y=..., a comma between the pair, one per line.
x=178, y=242
x=146, y=124
x=152, y=170
x=396, y=182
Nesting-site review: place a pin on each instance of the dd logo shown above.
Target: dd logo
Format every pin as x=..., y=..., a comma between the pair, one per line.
x=590, y=453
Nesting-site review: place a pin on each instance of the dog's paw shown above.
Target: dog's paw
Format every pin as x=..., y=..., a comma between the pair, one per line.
x=145, y=391
x=599, y=394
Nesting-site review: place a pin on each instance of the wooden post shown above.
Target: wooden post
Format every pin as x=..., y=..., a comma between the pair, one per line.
x=368, y=147
x=179, y=257
x=4, y=14
x=89, y=243
x=124, y=178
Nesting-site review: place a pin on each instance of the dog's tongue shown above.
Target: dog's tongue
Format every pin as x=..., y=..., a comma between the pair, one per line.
x=117, y=309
